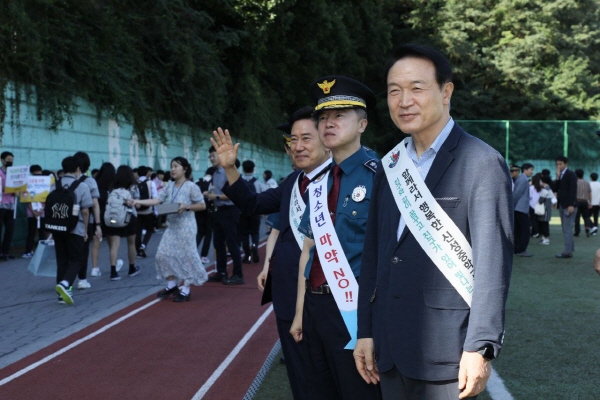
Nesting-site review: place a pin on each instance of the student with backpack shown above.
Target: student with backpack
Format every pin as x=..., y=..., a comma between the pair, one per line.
x=146, y=217
x=120, y=219
x=66, y=216
x=94, y=229
x=177, y=258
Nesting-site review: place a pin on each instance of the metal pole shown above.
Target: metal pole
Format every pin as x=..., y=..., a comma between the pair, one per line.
x=566, y=139
x=507, y=123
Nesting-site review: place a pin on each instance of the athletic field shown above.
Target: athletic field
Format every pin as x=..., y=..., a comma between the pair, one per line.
x=552, y=330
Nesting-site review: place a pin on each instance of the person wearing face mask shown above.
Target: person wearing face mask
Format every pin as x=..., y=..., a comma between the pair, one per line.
x=7, y=206
x=177, y=256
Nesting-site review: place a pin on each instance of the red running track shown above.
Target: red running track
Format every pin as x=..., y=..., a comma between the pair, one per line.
x=166, y=350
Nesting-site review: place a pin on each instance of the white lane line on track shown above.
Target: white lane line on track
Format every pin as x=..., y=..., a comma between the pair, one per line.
x=213, y=378
x=75, y=344
x=496, y=388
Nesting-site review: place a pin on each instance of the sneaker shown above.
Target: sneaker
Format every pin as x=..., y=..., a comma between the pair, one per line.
x=114, y=276
x=83, y=284
x=247, y=260
x=234, y=280
x=96, y=272
x=27, y=255
x=545, y=242
x=134, y=271
x=143, y=247
x=141, y=253
x=119, y=264
x=205, y=260
x=536, y=235
x=594, y=230
x=65, y=293
x=217, y=277
x=60, y=300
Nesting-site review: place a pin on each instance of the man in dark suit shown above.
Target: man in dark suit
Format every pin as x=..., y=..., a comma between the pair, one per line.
x=310, y=158
x=433, y=326
x=566, y=187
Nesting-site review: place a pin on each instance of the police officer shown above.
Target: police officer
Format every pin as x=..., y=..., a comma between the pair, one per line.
x=335, y=226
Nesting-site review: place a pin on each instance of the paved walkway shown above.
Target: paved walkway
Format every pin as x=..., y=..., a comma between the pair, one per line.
x=31, y=318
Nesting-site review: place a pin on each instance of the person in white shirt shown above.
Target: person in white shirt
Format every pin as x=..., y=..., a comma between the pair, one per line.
x=595, y=186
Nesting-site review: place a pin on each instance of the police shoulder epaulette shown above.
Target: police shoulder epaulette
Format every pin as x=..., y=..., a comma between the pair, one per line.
x=371, y=164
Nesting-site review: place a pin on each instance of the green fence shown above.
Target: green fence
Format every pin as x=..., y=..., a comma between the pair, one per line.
x=540, y=142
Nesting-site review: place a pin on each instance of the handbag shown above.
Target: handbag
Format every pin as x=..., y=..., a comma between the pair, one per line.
x=43, y=262
x=539, y=209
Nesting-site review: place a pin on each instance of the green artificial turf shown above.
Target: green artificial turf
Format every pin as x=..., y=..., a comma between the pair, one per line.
x=552, y=327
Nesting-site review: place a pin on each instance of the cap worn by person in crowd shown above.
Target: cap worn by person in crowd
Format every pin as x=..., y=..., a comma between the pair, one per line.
x=514, y=167
x=286, y=128
x=336, y=91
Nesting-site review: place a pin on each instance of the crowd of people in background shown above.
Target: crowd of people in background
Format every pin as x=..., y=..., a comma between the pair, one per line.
x=143, y=189
x=536, y=195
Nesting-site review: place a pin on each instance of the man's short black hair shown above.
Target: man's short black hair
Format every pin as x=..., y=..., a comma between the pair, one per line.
x=526, y=166
x=562, y=158
x=6, y=154
x=579, y=173
x=248, y=166
x=85, y=160
x=142, y=170
x=35, y=168
x=70, y=164
x=594, y=176
x=443, y=70
x=211, y=149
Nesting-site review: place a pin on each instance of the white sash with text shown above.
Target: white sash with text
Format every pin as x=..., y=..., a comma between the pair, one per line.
x=335, y=265
x=433, y=229
x=297, y=208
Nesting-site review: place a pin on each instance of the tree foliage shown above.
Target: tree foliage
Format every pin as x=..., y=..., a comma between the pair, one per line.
x=246, y=64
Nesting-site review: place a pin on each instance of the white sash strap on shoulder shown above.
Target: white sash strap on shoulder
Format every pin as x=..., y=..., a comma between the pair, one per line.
x=297, y=207
x=434, y=230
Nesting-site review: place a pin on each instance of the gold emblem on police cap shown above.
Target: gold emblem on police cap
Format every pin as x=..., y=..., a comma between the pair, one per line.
x=359, y=193
x=326, y=86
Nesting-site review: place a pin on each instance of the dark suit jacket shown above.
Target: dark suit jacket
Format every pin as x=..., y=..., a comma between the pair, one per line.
x=286, y=254
x=566, y=188
x=417, y=319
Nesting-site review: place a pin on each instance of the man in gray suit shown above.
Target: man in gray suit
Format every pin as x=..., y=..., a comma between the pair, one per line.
x=438, y=252
x=521, y=204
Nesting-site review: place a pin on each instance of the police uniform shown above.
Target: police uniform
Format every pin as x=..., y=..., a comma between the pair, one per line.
x=332, y=372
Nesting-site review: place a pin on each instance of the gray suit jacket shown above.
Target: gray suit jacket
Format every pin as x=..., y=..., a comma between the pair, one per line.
x=521, y=194
x=418, y=321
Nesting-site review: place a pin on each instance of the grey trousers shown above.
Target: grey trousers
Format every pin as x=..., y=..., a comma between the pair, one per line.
x=395, y=386
x=567, y=222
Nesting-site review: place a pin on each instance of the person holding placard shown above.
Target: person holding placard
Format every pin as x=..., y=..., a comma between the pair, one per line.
x=439, y=245
x=7, y=207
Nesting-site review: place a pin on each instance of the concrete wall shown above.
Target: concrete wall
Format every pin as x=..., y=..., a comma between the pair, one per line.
x=104, y=139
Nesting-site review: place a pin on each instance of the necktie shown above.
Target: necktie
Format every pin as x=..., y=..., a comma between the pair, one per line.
x=304, y=185
x=316, y=276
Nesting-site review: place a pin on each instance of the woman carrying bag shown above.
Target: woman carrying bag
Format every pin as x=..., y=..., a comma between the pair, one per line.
x=177, y=256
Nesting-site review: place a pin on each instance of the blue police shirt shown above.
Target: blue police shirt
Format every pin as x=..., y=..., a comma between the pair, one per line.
x=351, y=216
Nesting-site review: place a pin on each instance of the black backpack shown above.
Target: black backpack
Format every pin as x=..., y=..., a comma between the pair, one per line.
x=251, y=185
x=144, y=193
x=58, y=211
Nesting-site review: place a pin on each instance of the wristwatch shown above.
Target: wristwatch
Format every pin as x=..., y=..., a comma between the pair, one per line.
x=487, y=352
x=187, y=208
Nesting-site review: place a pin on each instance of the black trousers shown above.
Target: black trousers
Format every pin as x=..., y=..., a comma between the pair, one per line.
x=396, y=386
x=31, y=231
x=544, y=228
x=204, y=224
x=521, y=231
x=91, y=231
x=582, y=211
x=534, y=222
x=331, y=372
x=144, y=221
x=69, y=253
x=248, y=229
x=595, y=211
x=295, y=360
x=226, y=232
x=7, y=221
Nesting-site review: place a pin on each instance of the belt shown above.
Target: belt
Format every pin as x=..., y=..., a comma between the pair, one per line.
x=323, y=289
